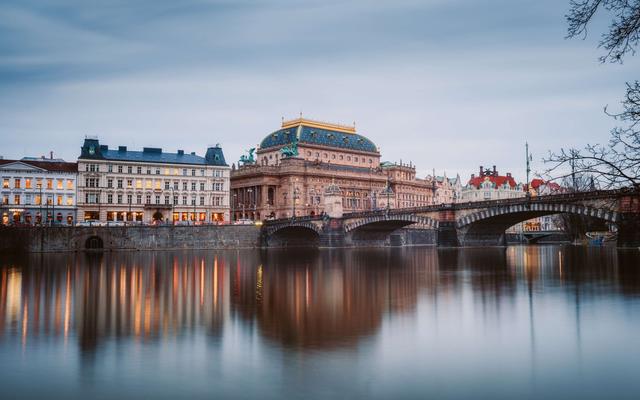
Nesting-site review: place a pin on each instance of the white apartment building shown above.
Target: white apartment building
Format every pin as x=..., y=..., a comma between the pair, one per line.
x=152, y=186
x=490, y=185
x=38, y=191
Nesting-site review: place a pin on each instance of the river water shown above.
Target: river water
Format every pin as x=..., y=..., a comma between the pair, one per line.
x=495, y=323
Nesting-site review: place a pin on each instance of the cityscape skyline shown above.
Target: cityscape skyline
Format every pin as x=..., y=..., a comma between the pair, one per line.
x=184, y=77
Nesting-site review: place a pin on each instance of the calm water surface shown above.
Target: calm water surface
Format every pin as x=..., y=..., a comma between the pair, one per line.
x=494, y=323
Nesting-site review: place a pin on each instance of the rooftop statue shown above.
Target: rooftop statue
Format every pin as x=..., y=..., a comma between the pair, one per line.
x=248, y=159
x=290, y=150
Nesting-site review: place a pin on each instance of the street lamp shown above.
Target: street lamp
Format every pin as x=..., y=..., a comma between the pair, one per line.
x=294, y=198
x=233, y=207
x=250, y=191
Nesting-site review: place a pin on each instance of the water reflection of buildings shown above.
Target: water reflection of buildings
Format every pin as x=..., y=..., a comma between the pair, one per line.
x=312, y=299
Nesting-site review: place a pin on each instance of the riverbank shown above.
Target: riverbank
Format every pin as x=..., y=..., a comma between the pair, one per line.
x=69, y=239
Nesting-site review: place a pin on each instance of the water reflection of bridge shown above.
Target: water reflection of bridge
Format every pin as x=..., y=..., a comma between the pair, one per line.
x=317, y=299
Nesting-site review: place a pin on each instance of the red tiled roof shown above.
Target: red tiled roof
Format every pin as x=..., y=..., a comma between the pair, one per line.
x=47, y=165
x=498, y=180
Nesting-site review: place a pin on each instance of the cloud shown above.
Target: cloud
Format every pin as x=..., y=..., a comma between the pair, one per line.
x=448, y=85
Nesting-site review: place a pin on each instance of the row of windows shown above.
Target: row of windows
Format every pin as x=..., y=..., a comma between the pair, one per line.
x=129, y=169
x=149, y=199
x=148, y=184
x=31, y=183
x=37, y=200
x=341, y=157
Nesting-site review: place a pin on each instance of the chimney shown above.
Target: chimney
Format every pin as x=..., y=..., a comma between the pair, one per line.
x=51, y=155
x=494, y=170
x=481, y=170
x=180, y=152
x=122, y=148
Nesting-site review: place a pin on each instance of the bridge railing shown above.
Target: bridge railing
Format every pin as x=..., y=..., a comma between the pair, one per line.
x=551, y=198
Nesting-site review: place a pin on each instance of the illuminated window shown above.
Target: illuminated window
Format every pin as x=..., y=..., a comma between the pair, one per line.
x=27, y=183
x=148, y=185
x=5, y=183
x=158, y=185
x=69, y=200
x=49, y=183
x=59, y=200
x=16, y=199
x=17, y=183
x=69, y=184
x=59, y=184
x=138, y=183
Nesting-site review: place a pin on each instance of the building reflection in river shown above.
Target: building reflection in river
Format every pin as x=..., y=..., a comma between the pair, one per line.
x=304, y=299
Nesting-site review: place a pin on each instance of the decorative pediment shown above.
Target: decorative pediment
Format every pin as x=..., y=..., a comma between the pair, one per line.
x=20, y=166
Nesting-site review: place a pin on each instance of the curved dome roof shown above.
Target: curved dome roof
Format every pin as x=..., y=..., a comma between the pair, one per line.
x=311, y=132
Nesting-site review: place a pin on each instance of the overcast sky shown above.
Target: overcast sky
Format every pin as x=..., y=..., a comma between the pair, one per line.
x=448, y=84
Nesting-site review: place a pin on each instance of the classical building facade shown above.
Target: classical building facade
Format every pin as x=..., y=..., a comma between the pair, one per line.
x=295, y=165
x=152, y=186
x=38, y=191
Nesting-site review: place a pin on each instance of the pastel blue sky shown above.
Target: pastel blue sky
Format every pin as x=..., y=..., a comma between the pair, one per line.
x=447, y=84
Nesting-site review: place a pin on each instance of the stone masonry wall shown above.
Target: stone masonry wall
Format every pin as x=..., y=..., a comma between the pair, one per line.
x=57, y=239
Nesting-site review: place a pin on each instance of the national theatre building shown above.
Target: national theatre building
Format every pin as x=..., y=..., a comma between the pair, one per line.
x=295, y=165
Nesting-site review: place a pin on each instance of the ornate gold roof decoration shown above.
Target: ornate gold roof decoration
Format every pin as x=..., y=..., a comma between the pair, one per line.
x=319, y=124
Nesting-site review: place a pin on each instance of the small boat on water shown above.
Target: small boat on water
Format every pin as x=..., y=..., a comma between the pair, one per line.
x=599, y=238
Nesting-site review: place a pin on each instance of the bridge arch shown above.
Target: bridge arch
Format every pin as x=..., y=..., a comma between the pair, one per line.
x=538, y=208
x=293, y=234
x=487, y=227
x=400, y=219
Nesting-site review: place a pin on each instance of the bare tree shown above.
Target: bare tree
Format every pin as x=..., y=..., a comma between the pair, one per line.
x=624, y=30
x=616, y=163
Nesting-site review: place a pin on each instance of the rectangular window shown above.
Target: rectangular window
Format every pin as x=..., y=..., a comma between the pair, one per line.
x=110, y=183
x=166, y=185
x=49, y=183
x=175, y=200
x=158, y=183
x=69, y=200
x=69, y=184
x=148, y=199
x=129, y=199
x=27, y=183
x=16, y=199
x=184, y=172
x=5, y=183
x=129, y=183
x=138, y=183
x=184, y=200
x=201, y=172
x=157, y=199
x=59, y=184
x=27, y=199
x=193, y=186
x=119, y=169
x=109, y=167
x=201, y=185
x=201, y=200
x=109, y=198
x=38, y=199
x=59, y=200
x=17, y=183
x=157, y=171
x=193, y=172
x=175, y=185
x=166, y=199
x=139, y=199
x=139, y=170
x=129, y=169
x=148, y=185
x=119, y=183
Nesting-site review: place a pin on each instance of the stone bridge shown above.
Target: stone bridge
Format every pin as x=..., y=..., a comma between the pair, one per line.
x=466, y=224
